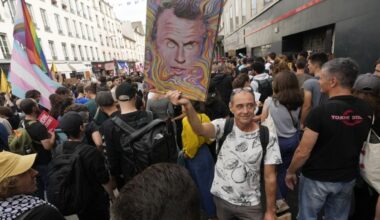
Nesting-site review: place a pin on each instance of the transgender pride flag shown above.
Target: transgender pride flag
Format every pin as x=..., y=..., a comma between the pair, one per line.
x=29, y=69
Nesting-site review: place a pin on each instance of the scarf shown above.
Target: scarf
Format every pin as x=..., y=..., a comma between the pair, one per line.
x=13, y=207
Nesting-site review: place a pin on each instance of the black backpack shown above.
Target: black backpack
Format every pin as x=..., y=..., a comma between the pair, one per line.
x=265, y=88
x=68, y=186
x=264, y=139
x=153, y=143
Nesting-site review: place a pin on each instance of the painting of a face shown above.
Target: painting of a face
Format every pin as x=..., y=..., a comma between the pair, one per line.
x=179, y=41
x=179, y=45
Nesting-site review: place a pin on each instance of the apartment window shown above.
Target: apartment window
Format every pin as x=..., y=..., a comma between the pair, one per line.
x=68, y=28
x=101, y=39
x=13, y=8
x=80, y=52
x=83, y=11
x=86, y=52
x=97, y=21
x=78, y=8
x=82, y=30
x=243, y=11
x=54, y=2
x=92, y=53
x=104, y=24
x=4, y=46
x=104, y=56
x=254, y=7
x=89, y=12
x=267, y=2
x=231, y=19
x=44, y=20
x=30, y=9
x=93, y=33
x=88, y=33
x=52, y=50
x=57, y=20
x=97, y=53
x=76, y=33
x=64, y=49
x=107, y=42
x=72, y=5
x=237, y=12
x=74, y=52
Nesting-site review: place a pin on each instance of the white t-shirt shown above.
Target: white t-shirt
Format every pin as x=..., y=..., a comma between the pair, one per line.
x=237, y=170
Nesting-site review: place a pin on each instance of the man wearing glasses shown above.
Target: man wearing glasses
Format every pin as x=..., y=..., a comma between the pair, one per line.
x=236, y=184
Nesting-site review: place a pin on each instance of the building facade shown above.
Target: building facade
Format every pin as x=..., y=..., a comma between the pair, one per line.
x=343, y=28
x=72, y=33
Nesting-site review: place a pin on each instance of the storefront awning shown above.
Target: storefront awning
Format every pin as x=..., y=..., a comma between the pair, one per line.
x=63, y=68
x=79, y=67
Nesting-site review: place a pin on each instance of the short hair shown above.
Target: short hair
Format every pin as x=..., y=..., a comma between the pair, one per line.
x=259, y=59
x=91, y=88
x=182, y=9
x=33, y=94
x=377, y=62
x=303, y=54
x=318, y=58
x=62, y=91
x=272, y=55
x=345, y=70
x=6, y=111
x=258, y=67
x=80, y=88
x=162, y=191
x=301, y=63
x=240, y=80
x=27, y=106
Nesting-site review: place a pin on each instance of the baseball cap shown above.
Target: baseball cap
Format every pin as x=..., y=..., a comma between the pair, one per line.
x=71, y=121
x=125, y=92
x=104, y=98
x=12, y=164
x=368, y=83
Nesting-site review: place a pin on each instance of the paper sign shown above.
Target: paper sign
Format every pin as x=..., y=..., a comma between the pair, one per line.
x=179, y=44
x=47, y=120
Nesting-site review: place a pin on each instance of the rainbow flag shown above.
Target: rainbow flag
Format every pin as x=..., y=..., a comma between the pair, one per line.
x=29, y=69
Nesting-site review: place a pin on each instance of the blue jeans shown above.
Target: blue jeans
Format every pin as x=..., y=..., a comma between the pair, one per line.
x=201, y=169
x=287, y=148
x=335, y=197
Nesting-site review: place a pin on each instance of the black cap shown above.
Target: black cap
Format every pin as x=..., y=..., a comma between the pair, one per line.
x=125, y=92
x=71, y=122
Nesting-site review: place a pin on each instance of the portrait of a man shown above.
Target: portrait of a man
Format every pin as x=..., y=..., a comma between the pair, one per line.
x=179, y=45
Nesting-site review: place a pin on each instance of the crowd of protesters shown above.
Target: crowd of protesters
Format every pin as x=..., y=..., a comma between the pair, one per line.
x=318, y=109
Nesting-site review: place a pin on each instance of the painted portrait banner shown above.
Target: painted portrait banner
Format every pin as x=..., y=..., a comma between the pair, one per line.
x=179, y=45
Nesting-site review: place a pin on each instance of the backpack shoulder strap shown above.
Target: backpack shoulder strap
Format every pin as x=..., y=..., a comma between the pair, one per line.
x=123, y=125
x=145, y=129
x=150, y=116
x=264, y=139
x=227, y=129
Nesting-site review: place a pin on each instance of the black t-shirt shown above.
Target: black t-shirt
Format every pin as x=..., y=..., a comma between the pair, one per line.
x=38, y=132
x=112, y=134
x=89, y=129
x=44, y=212
x=342, y=123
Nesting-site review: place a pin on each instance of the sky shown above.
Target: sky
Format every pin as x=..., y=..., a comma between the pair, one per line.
x=130, y=10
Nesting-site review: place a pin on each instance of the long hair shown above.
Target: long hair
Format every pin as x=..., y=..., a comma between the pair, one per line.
x=286, y=90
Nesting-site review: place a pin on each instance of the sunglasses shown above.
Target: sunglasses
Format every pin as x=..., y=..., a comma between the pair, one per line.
x=245, y=89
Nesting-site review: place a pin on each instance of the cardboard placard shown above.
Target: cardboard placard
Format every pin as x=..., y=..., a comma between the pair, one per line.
x=179, y=45
x=48, y=121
